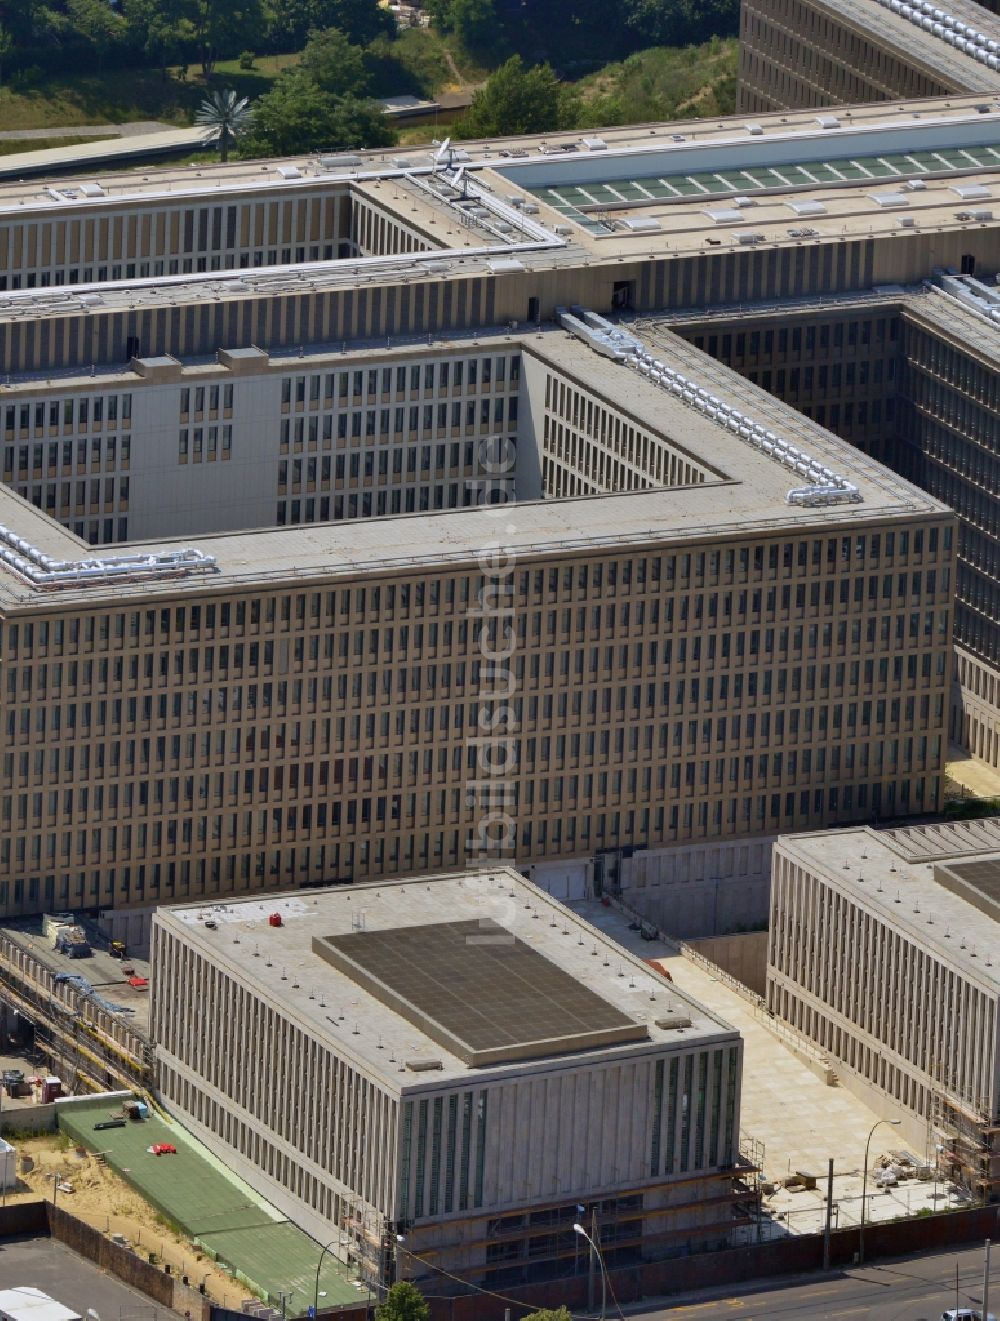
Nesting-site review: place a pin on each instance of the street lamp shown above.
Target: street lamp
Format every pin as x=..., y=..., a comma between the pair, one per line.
x=579, y=1229
x=894, y=1123
x=319, y=1264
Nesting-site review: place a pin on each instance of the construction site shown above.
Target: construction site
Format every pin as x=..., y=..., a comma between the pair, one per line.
x=74, y=1007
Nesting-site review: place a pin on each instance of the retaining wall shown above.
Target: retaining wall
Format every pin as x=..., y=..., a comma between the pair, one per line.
x=28, y=1119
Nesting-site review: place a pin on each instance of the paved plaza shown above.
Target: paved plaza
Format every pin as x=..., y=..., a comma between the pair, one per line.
x=786, y=1106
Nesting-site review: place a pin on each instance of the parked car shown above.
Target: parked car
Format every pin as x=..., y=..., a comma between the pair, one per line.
x=965, y=1314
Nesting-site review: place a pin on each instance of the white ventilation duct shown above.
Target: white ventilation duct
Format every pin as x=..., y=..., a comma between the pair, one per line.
x=947, y=28
x=613, y=342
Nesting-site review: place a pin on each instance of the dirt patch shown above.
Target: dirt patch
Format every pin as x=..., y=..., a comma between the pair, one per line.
x=106, y=1202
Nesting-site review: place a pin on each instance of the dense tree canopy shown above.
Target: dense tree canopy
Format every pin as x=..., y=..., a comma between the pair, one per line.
x=334, y=64
x=62, y=34
x=583, y=31
x=516, y=100
x=349, y=52
x=297, y=115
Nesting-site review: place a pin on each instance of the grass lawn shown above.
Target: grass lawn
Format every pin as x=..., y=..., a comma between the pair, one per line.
x=108, y=98
x=117, y=96
x=421, y=62
x=248, y=82
x=14, y=146
x=662, y=83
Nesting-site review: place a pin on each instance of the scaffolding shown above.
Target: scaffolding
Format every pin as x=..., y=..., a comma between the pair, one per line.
x=73, y=1031
x=964, y=1140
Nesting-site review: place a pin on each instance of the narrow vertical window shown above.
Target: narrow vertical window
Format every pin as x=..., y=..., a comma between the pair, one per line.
x=435, y=1155
x=449, y=1163
x=654, y=1157
x=463, y=1186
x=480, y=1147
x=406, y=1145
x=418, y=1192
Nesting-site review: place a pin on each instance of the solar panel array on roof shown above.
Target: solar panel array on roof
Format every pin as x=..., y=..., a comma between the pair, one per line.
x=477, y=990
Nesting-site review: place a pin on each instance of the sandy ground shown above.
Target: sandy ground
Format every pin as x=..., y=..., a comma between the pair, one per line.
x=972, y=775
x=105, y=1201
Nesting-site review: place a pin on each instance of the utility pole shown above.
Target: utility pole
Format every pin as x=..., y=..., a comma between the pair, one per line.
x=590, y=1261
x=986, y=1282
x=829, y=1216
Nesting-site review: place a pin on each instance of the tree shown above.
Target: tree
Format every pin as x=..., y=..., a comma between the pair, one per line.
x=224, y=27
x=360, y=20
x=357, y=123
x=681, y=22
x=516, y=100
x=6, y=46
x=549, y=1314
x=403, y=1302
x=226, y=117
x=159, y=28
x=334, y=65
x=97, y=25
x=296, y=115
x=476, y=23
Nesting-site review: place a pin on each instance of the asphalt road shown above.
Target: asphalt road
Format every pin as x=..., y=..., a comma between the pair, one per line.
x=912, y=1289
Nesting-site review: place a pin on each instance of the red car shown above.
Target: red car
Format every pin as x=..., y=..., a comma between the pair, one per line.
x=163, y=1149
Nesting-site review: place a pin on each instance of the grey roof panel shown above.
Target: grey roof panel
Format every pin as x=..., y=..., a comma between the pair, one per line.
x=478, y=990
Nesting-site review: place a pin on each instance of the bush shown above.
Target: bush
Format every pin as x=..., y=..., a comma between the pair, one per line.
x=247, y=59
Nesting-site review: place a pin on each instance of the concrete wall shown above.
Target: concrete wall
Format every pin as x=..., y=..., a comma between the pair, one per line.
x=168, y=498
x=44, y=1219
x=785, y=1256
x=743, y=955
x=131, y=926
x=701, y=889
x=29, y=1119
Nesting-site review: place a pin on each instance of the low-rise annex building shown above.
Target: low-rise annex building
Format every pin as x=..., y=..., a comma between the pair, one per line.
x=884, y=950
x=439, y=1073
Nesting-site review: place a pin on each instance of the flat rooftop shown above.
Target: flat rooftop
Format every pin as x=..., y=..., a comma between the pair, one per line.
x=744, y=495
x=926, y=44
x=105, y=975
x=856, y=176
x=554, y=951
x=639, y=191
x=25, y=1303
x=898, y=875
x=66, y=1275
x=475, y=988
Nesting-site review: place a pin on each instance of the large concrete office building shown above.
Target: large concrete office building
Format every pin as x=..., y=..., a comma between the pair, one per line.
x=252, y=511
x=461, y=1063
x=909, y=376
x=798, y=53
x=884, y=951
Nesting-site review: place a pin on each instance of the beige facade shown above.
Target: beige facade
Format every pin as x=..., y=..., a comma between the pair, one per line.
x=103, y=234
x=798, y=53
x=908, y=375
x=882, y=952
x=703, y=652
x=684, y=669
x=281, y=1060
